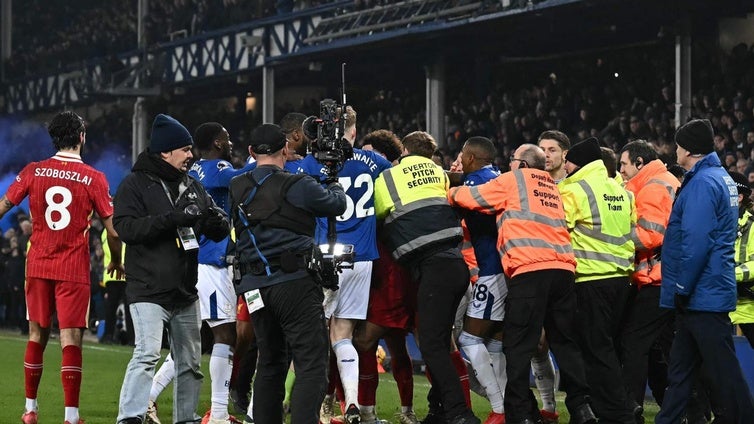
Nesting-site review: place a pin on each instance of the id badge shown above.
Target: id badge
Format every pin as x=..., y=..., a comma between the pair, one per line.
x=188, y=238
x=253, y=300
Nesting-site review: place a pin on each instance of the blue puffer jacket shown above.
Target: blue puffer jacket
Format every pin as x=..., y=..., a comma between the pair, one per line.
x=698, y=250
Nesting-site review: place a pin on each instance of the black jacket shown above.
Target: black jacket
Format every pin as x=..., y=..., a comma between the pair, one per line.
x=306, y=194
x=158, y=270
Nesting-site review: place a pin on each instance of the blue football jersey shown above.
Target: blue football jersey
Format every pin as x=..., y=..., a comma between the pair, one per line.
x=357, y=225
x=482, y=227
x=215, y=176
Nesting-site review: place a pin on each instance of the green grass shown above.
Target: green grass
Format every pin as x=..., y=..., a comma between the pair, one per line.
x=104, y=367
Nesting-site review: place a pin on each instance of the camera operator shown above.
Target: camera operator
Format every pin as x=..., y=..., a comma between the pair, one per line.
x=160, y=211
x=274, y=217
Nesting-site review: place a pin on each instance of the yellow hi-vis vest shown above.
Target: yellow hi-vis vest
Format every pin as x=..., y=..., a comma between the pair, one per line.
x=107, y=257
x=600, y=216
x=744, y=313
x=411, y=197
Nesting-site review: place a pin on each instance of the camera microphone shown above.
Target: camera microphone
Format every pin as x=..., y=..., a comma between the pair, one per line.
x=310, y=126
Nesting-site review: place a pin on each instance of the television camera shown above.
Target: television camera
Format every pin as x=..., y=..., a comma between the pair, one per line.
x=332, y=150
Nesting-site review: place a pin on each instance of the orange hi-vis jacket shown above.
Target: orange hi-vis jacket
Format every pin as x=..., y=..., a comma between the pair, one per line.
x=532, y=232
x=467, y=250
x=654, y=190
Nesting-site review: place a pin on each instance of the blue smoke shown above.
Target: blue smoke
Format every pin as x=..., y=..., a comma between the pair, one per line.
x=115, y=163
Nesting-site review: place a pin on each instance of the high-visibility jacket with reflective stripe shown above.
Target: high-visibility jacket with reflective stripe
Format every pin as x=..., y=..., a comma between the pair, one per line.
x=411, y=198
x=532, y=233
x=744, y=313
x=600, y=216
x=467, y=250
x=654, y=191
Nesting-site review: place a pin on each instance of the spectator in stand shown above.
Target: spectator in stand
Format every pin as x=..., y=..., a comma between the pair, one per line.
x=14, y=276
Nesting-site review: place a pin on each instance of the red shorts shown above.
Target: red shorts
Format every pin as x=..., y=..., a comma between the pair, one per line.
x=242, y=311
x=70, y=300
x=392, y=297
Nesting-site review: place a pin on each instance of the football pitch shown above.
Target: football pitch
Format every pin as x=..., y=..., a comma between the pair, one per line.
x=105, y=365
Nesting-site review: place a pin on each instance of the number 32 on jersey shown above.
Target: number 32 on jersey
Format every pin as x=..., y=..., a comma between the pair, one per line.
x=358, y=209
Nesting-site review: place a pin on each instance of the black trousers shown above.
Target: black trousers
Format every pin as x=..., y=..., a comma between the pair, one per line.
x=292, y=314
x=748, y=332
x=705, y=337
x=643, y=325
x=442, y=284
x=541, y=299
x=116, y=293
x=659, y=356
x=600, y=309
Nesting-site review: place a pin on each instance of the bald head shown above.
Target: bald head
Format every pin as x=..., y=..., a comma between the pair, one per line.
x=533, y=155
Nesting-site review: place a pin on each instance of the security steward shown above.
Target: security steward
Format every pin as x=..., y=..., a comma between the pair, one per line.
x=538, y=263
x=274, y=216
x=743, y=316
x=645, y=323
x=600, y=217
x=423, y=232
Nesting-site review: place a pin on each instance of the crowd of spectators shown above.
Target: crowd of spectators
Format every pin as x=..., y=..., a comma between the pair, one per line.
x=607, y=95
x=12, y=275
x=616, y=96
x=50, y=34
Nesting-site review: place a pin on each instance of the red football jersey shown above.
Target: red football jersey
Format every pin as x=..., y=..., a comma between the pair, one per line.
x=63, y=191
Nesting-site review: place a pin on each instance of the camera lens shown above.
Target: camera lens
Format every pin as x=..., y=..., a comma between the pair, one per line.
x=192, y=209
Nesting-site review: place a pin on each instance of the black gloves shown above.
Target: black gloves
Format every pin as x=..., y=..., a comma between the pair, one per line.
x=347, y=149
x=745, y=290
x=334, y=184
x=180, y=218
x=681, y=303
x=213, y=225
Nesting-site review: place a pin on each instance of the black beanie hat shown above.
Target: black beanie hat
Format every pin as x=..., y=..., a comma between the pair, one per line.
x=168, y=134
x=742, y=184
x=267, y=139
x=696, y=136
x=584, y=152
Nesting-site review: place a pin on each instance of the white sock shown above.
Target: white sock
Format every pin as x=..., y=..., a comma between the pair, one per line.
x=250, y=409
x=72, y=414
x=31, y=405
x=348, y=366
x=367, y=412
x=544, y=376
x=479, y=357
x=220, y=368
x=495, y=347
x=407, y=409
x=162, y=378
